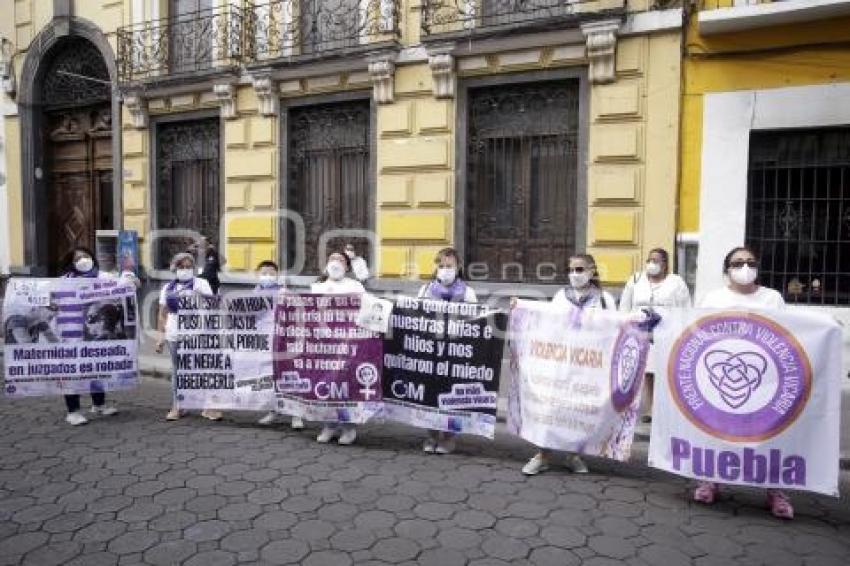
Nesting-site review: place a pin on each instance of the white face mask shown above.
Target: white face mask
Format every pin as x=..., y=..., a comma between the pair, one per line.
x=335, y=270
x=652, y=268
x=579, y=280
x=446, y=275
x=184, y=274
x=268, y=280
x=84, y=264
x=350, y=254
x=744, y=275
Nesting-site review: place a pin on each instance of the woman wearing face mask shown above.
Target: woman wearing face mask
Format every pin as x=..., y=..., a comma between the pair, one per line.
x=585, y=292
x=740, y=266
x=336, y=282
x=447, y=285
x=184, y=284
x=268, y=282
x=80, y=262
x=654, y=289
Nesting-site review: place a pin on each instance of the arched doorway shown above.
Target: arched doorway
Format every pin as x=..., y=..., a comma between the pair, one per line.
x=77, y=140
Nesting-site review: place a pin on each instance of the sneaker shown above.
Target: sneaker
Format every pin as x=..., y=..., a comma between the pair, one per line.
x=536, y=465
x=445, y=446
x=577, y=465
x=779, y=504
x=173, y=414
x=429, y=445
x=297, y=423
x=268, y=418
x=327, y=434
x=212, y=415
x=105, y=410
x=75, y=418
x=646, y=419
x=705, y=492
x=348, y=436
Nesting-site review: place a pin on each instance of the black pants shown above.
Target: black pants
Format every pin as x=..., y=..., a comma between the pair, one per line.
x=73, y=401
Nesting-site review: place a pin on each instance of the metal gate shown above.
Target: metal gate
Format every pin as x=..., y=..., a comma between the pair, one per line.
x=522, y=159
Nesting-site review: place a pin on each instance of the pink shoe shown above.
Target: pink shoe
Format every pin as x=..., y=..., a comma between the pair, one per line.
x=705, y=492
x=779, y=504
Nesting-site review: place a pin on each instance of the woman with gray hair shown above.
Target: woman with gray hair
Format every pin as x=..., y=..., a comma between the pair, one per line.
x=184, y=284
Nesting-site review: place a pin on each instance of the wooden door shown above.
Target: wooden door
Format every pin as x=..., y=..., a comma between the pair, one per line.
x=79, y=157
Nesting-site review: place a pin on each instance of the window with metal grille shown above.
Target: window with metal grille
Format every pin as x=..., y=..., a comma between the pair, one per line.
x=187, y=184
x=522, y=182
x=798, y=213
x=328, y=176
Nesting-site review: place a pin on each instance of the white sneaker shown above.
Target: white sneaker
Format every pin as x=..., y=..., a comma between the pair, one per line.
x=212, y=414
x=429, y=445
x=75, y=418
x=536, y=465
x=173, y=414
x=577, y=465
x=268, y=418
x=105, y=410
x=297, y=423
x=327, y=434
x=348, y=436
x=446, y=446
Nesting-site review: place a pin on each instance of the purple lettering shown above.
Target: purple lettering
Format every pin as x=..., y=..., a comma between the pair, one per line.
x=729, y=466
x=681, y=450
x=703, y=462
x=755, y=466
x=794, y=472
x=775, y=466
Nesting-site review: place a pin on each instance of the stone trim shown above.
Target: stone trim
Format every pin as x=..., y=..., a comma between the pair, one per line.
x=601, y=40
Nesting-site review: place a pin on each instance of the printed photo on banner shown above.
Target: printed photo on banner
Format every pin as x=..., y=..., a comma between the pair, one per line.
x=741, y=396
x=225, y=350
x=576, y=377
x=442, y=363
x=69, y=335
x=326, y=367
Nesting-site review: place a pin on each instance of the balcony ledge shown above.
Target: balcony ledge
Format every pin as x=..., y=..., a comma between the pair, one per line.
x=742, y=18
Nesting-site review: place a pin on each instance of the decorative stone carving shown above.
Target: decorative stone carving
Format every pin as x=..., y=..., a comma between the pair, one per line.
x=442, y=65
x=601, y=40
x=382, y=72
x=226, y=94
x=137, y=106
x=264, y=87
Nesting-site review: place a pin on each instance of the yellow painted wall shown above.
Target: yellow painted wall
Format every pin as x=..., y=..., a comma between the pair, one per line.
x=782, y=56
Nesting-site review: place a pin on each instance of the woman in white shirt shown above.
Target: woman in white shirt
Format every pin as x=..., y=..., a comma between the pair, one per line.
x=741, y=291
x=336, y=282
x=654, y=288
x=585, y=292
x=184, y=284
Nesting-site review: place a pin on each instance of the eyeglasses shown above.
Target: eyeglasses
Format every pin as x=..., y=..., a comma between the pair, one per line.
x=578, y=269
x=741, y=263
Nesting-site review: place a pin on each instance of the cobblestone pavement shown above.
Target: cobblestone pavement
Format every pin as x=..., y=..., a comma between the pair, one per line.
x=135, y=489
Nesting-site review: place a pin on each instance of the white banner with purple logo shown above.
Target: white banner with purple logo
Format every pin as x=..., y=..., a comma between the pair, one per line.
x=749, y=398
x=68, y=336
x=576, y=377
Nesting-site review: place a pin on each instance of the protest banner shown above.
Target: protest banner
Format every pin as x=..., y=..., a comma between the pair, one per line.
x=442, y=362
x=749, y=398
x=68, y=336
x=326, y=367
x=576, y=378
x=225, y=351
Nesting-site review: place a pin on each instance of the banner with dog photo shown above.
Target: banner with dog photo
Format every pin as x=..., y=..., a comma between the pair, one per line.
x=749, y=398
x=576, y=376
x=69, y=336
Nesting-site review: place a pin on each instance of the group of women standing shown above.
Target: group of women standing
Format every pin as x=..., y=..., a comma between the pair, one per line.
x=653, y=290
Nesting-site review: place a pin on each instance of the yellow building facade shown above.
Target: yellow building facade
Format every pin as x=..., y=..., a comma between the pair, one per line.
x=417, y=67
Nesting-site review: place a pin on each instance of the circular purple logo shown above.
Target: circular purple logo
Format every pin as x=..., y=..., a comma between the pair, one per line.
x=628, y=364
x=739, y=376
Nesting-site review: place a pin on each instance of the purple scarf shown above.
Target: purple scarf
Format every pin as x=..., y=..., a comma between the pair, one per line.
x=73, y=274
x=455, y=293
x=172, y=293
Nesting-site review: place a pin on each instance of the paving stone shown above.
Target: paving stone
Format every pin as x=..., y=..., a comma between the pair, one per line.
x=284, y=551
x=100, y=531
x=94, y=559
x=351, y=540
x=395, y=549
x=22, y=543
x=239, y=511
x=661, y=554
x=137, y=541
x=313, y=530
x=441, y=557
x=564, y=537
x=140, y=511
x=167, y=553
x=207, y=530
x=417, y=529
x=53, y=554
x=553, y=556
x=212, y=558
x=375, y=520
x=474, y=519
x=173, y=520
x=327, y=558
x=275, y=520
x=241, y=541
x=505, y=548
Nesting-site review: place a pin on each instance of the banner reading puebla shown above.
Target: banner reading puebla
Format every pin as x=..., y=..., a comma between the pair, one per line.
x=68, y=336
x=326, y=367
x=442, y=362
x=224, y=356
x=749, y=398
x=576, y=377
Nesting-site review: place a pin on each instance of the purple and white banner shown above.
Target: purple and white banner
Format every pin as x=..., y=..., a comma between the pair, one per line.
x=326, y=367
x=749, y=398
x=68, y=336
x=576, y=377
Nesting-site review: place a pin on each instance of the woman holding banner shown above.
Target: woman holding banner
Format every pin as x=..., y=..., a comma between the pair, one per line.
x=335, y=281
x=447, y=285
x=654, y=288
x=740, y=266
x=184, y=284
x=585, y=292
x=80, y=262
